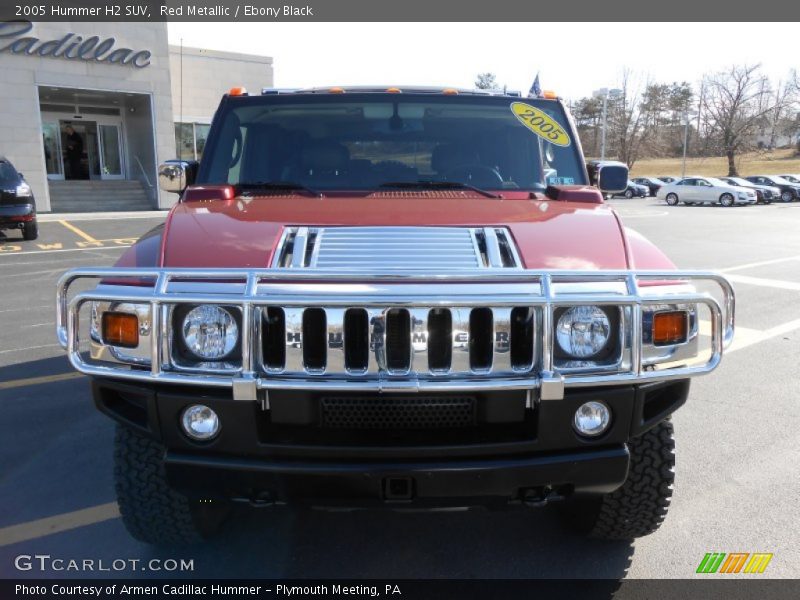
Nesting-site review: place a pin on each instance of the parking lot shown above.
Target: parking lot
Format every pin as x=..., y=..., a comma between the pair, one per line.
x=737, y=487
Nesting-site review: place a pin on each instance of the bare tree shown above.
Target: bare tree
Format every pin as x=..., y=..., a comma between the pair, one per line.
x=486, y=81
x=626, y=120
x=736, y=103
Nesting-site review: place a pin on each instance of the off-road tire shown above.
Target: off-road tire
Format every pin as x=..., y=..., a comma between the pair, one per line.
x=151, y=511
x=30, y=231
x=672, y=199
x=640, y=505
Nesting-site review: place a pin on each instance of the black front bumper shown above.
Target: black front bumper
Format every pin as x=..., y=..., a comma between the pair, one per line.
x=288, y=454
x=420, y=483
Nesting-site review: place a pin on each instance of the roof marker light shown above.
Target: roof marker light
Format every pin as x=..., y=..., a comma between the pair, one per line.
x=394, y=90
x=237, y=91
x=549, y=94
x=450, y=92
x=336, y=90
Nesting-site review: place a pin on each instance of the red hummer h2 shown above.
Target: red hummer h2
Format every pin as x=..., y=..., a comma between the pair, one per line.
x=392, y=298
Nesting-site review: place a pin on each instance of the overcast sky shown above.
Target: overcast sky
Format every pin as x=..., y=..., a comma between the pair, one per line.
x=573, y=58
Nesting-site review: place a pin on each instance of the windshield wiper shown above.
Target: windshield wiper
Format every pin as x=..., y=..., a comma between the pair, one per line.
x=279, y=185
x=423, y=184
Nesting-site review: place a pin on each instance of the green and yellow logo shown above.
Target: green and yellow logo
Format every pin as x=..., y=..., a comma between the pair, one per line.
x=735, y=562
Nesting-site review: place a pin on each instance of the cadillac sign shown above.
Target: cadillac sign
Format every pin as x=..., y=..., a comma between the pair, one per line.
x=14, y=39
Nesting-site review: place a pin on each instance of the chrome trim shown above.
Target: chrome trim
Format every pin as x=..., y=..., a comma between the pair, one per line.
x=395, y=248
x=460, y=292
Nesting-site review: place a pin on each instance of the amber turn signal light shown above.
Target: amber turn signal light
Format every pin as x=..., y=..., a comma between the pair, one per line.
x=670, y=327
x=121, y=329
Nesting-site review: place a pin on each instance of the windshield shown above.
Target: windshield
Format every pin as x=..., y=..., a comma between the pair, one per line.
x=778, y=180
x=741, y=182
x=368, y=141
x=791, y=178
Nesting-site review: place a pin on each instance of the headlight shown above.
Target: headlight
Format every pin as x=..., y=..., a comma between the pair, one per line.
x=210, y=332
x=583, y=331
x=23, y=190
x=742, y=196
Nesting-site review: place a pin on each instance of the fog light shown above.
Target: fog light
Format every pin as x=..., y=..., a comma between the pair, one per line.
x=592, y=418
x=200, y=422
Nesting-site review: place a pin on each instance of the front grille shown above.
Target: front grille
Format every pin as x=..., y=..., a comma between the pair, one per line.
x=398, y=413
x=430, y=342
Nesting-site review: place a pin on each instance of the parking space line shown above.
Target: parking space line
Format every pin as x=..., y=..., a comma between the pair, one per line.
x=15, y=383
x=29, y=348
x=763, y=282
x=100, y=247
x=80, y=232
x=762, y=263
x=32, y=530
x=746, y=337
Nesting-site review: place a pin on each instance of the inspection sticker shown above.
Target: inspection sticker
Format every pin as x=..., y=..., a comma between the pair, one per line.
x=540, y=123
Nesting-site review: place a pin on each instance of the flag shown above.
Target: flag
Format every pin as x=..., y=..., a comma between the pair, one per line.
x=536, y=89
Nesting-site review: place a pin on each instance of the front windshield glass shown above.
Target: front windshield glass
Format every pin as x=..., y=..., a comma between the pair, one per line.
x=359, y=141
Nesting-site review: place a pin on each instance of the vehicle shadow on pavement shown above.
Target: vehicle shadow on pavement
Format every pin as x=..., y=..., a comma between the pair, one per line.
x=481, y=544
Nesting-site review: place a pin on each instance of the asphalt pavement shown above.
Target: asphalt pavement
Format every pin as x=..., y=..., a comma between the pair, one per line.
x=737, y=487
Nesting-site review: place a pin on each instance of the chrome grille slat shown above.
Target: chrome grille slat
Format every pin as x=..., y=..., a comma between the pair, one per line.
x=336, y=340
x=501, y=350
x=459, y=363
x=294, y=340
x=419, y=339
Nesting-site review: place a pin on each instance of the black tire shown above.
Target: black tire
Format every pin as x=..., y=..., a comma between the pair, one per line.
x=638, y=507
x=672, y=199
x=30, y=231
x=787, y=196
x=151, y=511
x=726, y=200
x=628, y=194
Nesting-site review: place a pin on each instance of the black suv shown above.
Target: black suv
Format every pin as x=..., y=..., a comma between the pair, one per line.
x=17, y=205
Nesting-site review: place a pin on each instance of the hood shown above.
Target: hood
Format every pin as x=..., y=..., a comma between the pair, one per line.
x=243, y=232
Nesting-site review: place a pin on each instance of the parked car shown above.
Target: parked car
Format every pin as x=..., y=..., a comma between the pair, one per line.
x=764, y=193
x=652, y=184
x=789, y=191
x=341, y=338
x=706, y=190
x=670, y=179
x=17, y=204
x=794, y=178
x=634, y=190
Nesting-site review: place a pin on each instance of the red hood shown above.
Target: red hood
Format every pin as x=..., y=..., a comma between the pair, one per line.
x=244, y=232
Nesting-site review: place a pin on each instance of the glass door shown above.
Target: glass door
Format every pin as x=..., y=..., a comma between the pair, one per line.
x=111, y=166
x=51, y=140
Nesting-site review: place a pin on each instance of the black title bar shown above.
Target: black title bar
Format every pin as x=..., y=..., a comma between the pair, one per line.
x=409, y=10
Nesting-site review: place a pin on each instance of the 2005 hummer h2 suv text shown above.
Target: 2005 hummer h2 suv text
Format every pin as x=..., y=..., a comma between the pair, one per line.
x=396, y=298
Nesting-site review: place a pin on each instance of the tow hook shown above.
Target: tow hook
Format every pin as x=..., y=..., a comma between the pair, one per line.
x=539, y=497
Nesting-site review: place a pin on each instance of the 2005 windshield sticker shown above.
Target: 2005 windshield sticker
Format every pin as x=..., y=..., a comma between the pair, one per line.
x=540, y=123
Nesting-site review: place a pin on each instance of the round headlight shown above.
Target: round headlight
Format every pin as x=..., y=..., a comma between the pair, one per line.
x=210, y=332
x=583, y=331
x=200, y=422
x=591, y=418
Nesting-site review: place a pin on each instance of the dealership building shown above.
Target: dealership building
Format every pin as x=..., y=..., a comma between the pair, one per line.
x=88, y=110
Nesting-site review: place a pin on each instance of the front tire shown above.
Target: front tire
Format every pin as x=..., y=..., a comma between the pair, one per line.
x=672, y=199
x=726, y=200
x=152, y=512
x=628, y=194
x=787, y=196
x=639, y=507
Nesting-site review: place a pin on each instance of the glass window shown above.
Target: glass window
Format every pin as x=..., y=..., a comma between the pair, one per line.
x=365, y=141
x=184, y=141
x=7, y=173
x=200, y=137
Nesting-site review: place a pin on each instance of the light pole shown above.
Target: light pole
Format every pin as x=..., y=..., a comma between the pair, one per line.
x=686, y=116
x=605, y=94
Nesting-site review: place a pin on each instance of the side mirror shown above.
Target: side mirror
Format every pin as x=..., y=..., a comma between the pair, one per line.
x=21, y=176
x=176, y=175
x=610, y=176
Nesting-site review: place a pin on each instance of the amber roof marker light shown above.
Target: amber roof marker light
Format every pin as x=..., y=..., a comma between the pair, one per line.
x=237, y=91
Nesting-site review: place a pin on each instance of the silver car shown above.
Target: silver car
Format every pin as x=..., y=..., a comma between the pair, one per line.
x=702, y=190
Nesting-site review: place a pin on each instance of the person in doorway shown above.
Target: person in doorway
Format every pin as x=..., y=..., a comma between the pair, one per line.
x=73, y=152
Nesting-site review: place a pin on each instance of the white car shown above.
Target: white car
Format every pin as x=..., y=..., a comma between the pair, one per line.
x=701, y=190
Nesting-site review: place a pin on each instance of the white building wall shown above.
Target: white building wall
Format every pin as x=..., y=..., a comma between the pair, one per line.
x=207, y=75
x=21, y=74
